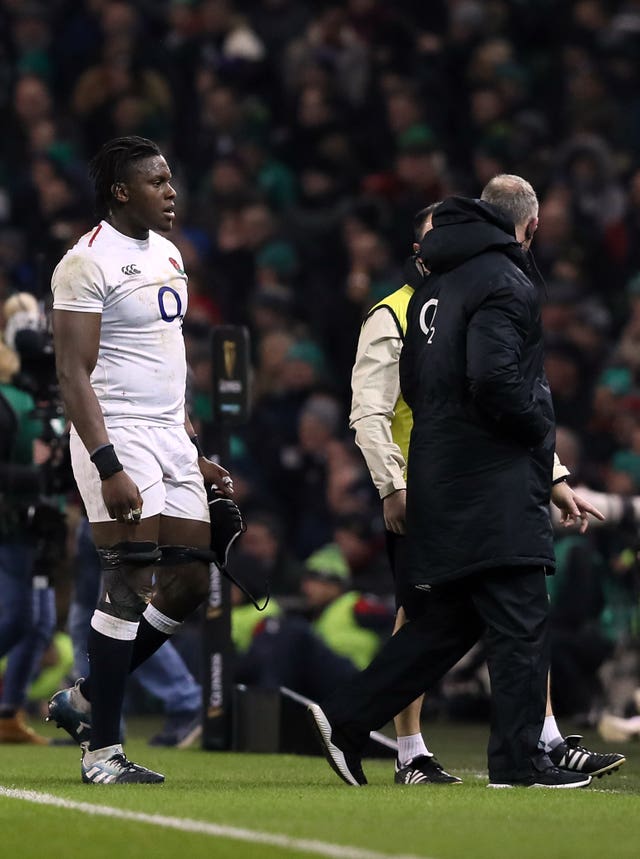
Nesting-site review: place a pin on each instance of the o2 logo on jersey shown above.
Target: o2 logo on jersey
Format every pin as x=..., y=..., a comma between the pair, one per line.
x=427, y=318
x=169, y=303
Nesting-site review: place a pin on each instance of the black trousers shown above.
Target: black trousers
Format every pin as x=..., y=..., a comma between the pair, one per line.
x=510, y=607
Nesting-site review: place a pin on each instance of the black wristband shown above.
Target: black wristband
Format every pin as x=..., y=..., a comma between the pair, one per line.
x=558, y=480
x=196, y=441
x=106, y=461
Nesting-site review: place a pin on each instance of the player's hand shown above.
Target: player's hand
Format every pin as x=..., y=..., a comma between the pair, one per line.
x=122, y=498
x=217, y=476
x=394, y=510
x=574, y=509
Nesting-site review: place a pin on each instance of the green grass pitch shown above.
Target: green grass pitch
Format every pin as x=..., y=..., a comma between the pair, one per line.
x=301, y=800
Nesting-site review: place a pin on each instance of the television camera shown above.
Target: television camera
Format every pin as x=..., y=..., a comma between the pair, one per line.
x=36, y=489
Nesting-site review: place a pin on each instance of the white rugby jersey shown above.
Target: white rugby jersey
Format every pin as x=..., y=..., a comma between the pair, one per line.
x=140, y=289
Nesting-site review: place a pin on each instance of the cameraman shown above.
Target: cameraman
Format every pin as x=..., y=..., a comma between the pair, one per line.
x=27, y=604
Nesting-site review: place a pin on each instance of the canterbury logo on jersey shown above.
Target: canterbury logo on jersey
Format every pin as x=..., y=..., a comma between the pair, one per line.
x=130, y=269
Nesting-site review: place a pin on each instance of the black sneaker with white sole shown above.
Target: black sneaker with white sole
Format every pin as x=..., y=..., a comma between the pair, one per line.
x=116, y=769
x=346, y=764
x=572, y=757
x=424, y=769
x=549, y=777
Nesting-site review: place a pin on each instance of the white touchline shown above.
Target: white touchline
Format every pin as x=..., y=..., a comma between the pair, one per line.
x=304, y=845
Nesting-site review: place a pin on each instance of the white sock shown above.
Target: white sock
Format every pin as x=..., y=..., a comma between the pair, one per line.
x=160, y=621
x=114, y=627
x=550, y=736
x=410, y=747
x=90, y=757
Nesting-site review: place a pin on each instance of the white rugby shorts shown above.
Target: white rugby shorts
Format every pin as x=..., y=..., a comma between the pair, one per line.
x=162, y=462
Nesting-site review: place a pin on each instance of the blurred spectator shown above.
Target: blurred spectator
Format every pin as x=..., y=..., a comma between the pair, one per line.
x=273, y=346
x=335, y=630
x=565, y=369
x=227, y=42
x=272, y=177
x=302, y=473
x=629, y=236
x=331, y=43
x=264, y=554
x=627, y=351
x=349, y=623
x=592, y=594
x=27, y=602
x=360, y=536
x=579, y=644
x=121, y=93
x=587, y=171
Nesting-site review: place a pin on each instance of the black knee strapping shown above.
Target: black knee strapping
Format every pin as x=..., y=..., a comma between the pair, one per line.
x=130, y=552
x=178, y=555
x=122, y=596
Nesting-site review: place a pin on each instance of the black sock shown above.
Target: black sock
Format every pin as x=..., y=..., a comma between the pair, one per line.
x=148, y=640
x=110, y=659
x=7, y=712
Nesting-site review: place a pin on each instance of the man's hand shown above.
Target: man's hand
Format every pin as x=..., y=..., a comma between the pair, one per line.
x=122, y=498
x=574, y=509
x=394, y=510
x=217, y=476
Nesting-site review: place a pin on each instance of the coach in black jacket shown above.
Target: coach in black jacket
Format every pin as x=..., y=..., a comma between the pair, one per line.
x=471, y=369
x=480, y=463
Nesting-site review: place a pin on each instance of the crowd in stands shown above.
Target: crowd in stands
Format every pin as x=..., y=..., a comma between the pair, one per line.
x=303, y=136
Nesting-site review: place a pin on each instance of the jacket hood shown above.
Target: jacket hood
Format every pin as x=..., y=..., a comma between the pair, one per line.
x=464, y=228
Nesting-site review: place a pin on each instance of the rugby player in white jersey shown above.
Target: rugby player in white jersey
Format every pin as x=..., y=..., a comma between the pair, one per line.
x=120, y=295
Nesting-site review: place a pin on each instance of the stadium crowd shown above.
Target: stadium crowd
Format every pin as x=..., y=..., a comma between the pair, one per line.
x=304, y=136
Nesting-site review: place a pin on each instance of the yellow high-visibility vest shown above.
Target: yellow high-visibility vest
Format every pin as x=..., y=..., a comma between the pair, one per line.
x=402, y=421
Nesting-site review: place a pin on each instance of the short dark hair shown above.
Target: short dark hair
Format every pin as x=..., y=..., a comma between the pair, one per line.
x=420, y=219
x=111, y=164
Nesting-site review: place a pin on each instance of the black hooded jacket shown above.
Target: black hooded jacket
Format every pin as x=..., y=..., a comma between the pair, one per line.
x=471, y=369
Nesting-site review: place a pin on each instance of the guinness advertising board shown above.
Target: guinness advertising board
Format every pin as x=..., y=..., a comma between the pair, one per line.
x=230, y=375
x=230, y=359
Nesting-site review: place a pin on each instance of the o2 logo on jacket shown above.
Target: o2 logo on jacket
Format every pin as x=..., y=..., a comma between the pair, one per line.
x=427, y=318
x=169, y=303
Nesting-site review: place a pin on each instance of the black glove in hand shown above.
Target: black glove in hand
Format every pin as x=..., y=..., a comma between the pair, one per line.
x=226, y=526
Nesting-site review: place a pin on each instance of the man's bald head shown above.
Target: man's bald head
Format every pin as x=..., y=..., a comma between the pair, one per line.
x=516, y=199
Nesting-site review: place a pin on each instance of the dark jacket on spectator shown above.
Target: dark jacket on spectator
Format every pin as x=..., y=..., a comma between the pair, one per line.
x=481, y=453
